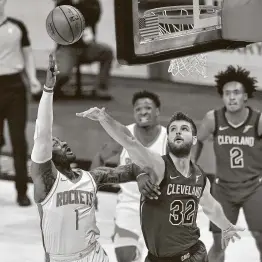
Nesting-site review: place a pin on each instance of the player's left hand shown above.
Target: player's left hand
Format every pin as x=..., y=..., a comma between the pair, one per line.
x=93, y=113
x=230, y=234
x=147, y=187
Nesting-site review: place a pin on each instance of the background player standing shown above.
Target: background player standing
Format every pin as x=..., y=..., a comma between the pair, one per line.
x=169, y=223
x=128, y=238
x=237, y=130
x=16, y=58
x=65, y=198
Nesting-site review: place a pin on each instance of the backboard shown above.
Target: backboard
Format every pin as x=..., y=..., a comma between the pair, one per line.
x=149, y=31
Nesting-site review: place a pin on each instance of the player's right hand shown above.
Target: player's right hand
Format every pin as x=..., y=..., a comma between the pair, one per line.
x=93, y=113
x=146, y=186
x=51, y=73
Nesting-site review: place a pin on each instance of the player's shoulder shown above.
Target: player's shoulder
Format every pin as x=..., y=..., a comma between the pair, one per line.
x=163, y=128
x=17, y=22
x=130, y=126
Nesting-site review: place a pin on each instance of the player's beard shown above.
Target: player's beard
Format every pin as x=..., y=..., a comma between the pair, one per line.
x=180, y=151
x=61, y=159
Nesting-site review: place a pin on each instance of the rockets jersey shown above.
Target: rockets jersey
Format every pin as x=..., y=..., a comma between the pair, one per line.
x=169, y=223
x=238, y=150
x=67, y=215
x=130, y=194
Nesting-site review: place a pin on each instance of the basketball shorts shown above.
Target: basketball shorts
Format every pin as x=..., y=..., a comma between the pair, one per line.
x=249, y=198
x=97, y=254
x=196, y=253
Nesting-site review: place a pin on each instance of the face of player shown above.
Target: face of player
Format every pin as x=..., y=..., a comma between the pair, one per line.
x=145, y=112
x=180, y=138
x=234, y=96
x=62, y=153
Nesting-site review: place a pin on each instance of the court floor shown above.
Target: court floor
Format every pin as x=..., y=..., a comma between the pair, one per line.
x=20, y=239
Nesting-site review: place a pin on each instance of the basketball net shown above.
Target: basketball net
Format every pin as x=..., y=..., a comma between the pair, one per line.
x=189, y=66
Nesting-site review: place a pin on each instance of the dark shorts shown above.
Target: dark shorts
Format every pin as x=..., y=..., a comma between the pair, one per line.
x=197, y=253
x=249, y=198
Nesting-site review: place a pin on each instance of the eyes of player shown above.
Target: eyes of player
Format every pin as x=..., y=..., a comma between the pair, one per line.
x=138, y=109
x=182, y=128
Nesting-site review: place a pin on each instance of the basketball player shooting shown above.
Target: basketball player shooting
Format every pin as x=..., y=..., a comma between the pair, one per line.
x=169, y=223
x=236, y=130
x=66, y=197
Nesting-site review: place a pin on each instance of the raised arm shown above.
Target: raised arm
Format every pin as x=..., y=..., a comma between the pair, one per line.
x=206, y=129
x=43, y=172
x=139, y=154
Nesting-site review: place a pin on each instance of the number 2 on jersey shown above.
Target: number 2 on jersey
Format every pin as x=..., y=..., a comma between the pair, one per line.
x=236, y=157
x=182, y=213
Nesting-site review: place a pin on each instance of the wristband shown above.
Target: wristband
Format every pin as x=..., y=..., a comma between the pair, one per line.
x=228, y=229
x=140, y=175
x=47, y=89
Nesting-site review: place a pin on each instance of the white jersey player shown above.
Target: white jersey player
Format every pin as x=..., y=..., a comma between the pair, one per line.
x=66, y=197
x=128, y=239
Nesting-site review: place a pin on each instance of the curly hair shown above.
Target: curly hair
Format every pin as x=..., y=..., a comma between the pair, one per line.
x=146, y=94
x=238, y=74
x=178, y=116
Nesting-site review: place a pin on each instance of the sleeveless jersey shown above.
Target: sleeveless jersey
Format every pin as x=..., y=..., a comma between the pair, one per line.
x=238, y=150
x=169, y=223
x=129, y=191
x=67, y=215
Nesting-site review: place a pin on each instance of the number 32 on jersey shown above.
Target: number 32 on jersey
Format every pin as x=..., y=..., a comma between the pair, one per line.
x=236, y=157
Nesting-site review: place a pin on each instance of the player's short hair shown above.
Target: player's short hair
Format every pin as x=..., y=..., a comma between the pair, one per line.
x=146, y=94
x=179, y=116
x=238, y=74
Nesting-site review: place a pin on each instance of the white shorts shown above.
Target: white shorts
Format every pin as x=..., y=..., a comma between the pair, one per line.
x=97, y=254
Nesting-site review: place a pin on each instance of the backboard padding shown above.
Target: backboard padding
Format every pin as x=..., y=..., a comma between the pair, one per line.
x=242, y=20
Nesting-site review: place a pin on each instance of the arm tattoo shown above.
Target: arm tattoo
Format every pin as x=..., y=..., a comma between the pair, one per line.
x=43, y=176
x=120, y=174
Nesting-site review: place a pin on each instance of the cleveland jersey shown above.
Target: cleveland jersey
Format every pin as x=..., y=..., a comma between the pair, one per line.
x=173, y=216
x=67, y=215
x=238, y=150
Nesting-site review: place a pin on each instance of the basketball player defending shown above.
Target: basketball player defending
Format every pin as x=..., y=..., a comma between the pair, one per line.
x=237, y=131
x=169, y=223
x=65, y=197
x=128, y=239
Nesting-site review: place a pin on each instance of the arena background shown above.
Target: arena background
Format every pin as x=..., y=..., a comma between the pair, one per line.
x=20, y=235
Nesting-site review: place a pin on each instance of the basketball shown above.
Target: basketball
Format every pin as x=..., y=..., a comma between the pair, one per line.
x=65, y=24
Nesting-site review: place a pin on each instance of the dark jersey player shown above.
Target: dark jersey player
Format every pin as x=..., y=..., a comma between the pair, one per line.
x=169, y=223
x=236, y=129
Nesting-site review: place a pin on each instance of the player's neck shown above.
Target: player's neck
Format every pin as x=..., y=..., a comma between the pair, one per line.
x=146, y=135
x=238, y=117
x=182, y=164
x=68, y=172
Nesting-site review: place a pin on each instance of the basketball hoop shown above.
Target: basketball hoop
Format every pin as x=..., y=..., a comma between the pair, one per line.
x=189, y=65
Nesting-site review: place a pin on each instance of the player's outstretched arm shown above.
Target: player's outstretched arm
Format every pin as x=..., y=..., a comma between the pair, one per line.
x=146, y=179
x=206, y=129
x=215, y=213
x=43, y=172
x=139, y=154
